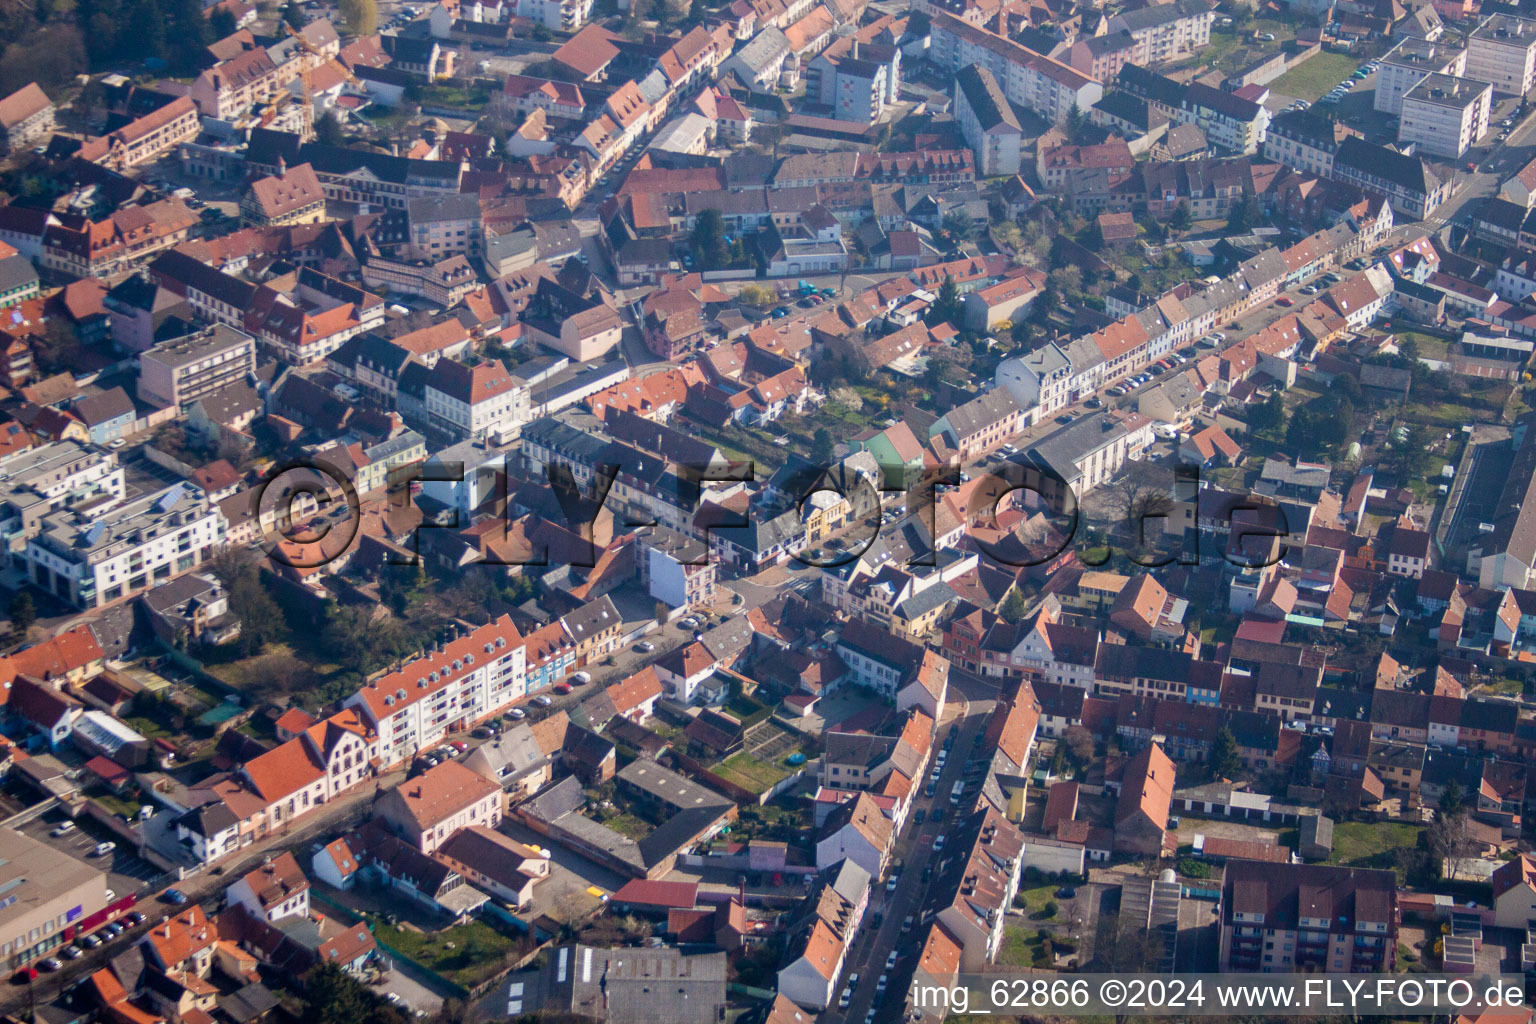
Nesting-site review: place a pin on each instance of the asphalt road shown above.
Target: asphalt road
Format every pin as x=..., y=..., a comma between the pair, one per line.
x=914, y=849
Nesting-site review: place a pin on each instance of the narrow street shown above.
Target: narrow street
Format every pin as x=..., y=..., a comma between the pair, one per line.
x=968, y=708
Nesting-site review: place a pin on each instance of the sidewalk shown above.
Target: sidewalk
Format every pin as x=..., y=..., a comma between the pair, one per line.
x=202, y=887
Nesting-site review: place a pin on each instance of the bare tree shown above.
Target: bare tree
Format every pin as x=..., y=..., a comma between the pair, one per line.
x=1135, y=502
x=1450, y=841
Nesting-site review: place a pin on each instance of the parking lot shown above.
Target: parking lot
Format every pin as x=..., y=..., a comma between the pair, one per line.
x=126, y=871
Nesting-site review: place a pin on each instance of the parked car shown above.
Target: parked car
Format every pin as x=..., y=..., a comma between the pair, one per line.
x=71, y=953
x=63, y=830
x=517, y=714
x=562, y=688
x=89, y=941
x=1066, y=892
x=102, y=849
x=543, y=700
x=846, y=998
x=113, y=930
x=645, y=647
x=51, y=964
x=175, y=897
x=890, y=959
x=134, y=918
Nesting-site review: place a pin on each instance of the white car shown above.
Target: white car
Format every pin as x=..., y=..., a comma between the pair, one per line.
x=63, y=830
x=517, y=714
x=882, y=984
x=844, y=999
x=890, y=960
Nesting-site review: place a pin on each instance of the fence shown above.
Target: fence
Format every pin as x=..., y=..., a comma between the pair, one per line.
x=32, y=813
x=420, y=973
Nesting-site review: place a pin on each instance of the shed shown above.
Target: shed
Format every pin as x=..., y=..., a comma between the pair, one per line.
x=1316, y=837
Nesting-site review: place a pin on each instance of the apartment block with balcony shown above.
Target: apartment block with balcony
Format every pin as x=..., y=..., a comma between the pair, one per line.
x=62, y=475
x=1297, y=918
x=451, y=688
x=180, y=371
x=1445, y=116
x=556, y=15
x=90, y=558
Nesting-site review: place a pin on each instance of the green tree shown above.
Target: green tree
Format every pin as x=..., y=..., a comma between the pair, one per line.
x=361, y=17
x=708, y=241
x=331, y=996
x=756, y=295
x=221, y=23
x=1068, y=280
x=946, y=304
x=293, y=14
x=187, y=35
x=1452, y=799
x=1183, y=216
x=1014, y=606
x=1224, y=761
x=1268, y=417
x=328, y=129
x=1321, y=426
x=1408, y=453
x=22, y=612
x=1244, y=215
x=822, y=446
x=959, y=226
x=1075, y=122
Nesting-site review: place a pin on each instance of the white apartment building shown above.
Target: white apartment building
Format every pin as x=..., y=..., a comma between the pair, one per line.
x=988, y=122
x=65, y=474
x=1029, y=79
x=453, y=686
x=1502, y=51
x=556, y=15
x=1164, y=32
x=444, y=225
x=90, y=557
x=1445, y=116
x=180, y=371
x=1409, y=63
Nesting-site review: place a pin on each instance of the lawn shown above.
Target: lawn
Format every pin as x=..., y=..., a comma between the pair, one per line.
x=1035, y=899
x=751, y=773
x=1315, y=78
x=1373, y=845
x=467, y=953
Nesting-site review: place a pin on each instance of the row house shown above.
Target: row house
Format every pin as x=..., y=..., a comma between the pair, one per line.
x=145, y=138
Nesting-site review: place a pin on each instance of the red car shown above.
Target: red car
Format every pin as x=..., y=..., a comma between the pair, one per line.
x=562, y=688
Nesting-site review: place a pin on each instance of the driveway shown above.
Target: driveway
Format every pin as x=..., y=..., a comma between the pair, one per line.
x=564, y=896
